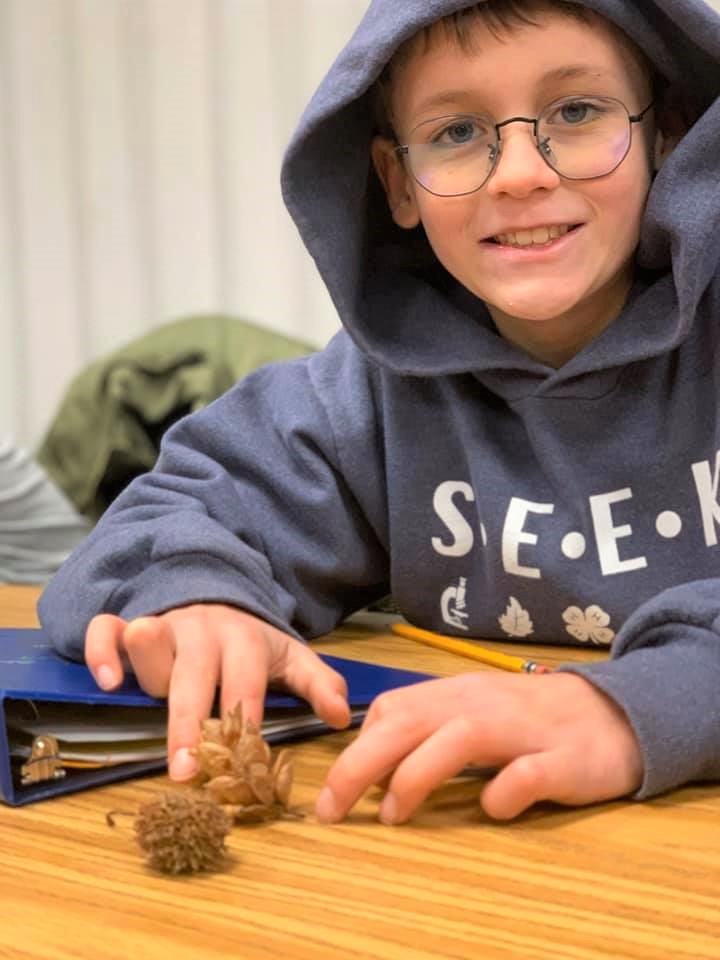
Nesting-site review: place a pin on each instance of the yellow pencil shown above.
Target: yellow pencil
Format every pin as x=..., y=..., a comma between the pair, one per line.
x=504, y=661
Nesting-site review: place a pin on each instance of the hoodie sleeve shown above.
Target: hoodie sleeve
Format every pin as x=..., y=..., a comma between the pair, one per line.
x=664, y=673
x=248, y=506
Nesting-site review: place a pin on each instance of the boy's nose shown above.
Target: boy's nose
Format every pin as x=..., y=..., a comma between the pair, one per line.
x=520, y=169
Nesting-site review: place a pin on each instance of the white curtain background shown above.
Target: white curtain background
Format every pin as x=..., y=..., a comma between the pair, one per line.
x=140, y=149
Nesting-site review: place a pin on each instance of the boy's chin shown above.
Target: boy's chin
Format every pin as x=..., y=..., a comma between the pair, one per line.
x=536, y=312
x=537, y=299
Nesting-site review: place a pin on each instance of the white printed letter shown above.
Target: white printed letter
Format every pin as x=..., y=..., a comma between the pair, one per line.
x=452, y=518
x=514, y=535
x=707, y=488
x=606, y=535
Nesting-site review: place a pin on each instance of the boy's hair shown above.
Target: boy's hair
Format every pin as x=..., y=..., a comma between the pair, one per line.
x=499, y=16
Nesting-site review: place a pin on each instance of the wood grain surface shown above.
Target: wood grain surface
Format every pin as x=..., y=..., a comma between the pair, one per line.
x=617, y=880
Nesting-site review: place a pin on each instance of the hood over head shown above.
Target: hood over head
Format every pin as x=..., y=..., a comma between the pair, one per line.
x=398, y=303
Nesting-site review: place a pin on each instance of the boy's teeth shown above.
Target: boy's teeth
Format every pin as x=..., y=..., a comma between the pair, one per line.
x=524, y=238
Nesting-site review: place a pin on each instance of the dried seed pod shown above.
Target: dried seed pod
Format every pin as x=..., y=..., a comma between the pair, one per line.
x=213, y=759
x=236, y=769
x=227, y=789
x=282, y=775
x=254, y=812
x=249, y=749
x=182, y=833
x=212, y=730
x=231, y=728
x=260, y=780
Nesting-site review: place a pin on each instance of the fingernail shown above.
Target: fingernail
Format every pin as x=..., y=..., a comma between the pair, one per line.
x=105, y=677
x=326, y=806
x=389, y=810
x=182, y=765
x=340, y=705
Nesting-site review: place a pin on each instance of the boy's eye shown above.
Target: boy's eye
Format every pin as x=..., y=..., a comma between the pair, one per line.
x=459, y=132
x=574, y=112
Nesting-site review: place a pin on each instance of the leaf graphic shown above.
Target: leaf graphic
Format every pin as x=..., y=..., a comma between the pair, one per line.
x=516, y=621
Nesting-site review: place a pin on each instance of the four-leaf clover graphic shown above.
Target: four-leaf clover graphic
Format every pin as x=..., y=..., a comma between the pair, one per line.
x=590, y=626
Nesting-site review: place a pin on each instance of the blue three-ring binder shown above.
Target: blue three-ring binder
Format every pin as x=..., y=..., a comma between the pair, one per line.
x=32, y=672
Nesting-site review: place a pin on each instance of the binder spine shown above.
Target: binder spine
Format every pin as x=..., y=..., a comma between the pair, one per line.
x=7, y=792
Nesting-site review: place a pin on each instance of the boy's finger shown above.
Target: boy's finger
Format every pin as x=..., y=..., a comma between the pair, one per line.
x=369, y=758
x=244, y=678
x=324, y=688
x=527, y=780
x=103, y=644
x=192, y=690
x=149, y=644
x=447, y=751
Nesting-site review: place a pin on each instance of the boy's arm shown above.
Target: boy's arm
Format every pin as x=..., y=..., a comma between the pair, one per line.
x=665, y=675
x=247, y=506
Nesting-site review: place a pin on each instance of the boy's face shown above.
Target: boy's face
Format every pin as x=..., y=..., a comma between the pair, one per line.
x=553, y=299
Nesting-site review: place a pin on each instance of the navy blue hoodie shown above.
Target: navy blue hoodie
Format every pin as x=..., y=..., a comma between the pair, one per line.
x=421, y=454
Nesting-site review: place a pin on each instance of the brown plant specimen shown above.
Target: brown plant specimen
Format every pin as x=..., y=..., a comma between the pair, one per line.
x=236, y=769
x=183, y=833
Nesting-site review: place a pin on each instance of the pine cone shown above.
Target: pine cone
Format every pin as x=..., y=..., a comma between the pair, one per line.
x=182, y=833
x=237, y=771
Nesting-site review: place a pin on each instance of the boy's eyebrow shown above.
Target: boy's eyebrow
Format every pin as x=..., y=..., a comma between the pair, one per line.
x=571, y=71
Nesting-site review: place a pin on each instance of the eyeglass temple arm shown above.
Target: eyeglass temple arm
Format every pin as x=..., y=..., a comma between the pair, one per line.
x=639, y=116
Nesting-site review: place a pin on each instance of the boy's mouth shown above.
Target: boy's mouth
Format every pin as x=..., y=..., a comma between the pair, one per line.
x=535, y=237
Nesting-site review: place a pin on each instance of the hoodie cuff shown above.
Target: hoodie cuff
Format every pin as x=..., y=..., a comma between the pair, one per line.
x=177, y=581
x=670, y=692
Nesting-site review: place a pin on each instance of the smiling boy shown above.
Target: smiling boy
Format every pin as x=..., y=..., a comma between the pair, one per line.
x=549, y=299
x=516, y=432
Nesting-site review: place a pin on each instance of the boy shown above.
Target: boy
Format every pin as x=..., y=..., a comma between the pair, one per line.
x=516, y=432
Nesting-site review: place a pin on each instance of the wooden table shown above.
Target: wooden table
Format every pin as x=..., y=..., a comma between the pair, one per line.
x=617, y=880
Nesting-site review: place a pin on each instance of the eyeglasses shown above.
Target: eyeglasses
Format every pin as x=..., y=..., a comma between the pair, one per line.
x=581, y=138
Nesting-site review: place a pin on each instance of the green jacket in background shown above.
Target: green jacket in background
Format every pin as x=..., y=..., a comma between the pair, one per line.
x=109, y=424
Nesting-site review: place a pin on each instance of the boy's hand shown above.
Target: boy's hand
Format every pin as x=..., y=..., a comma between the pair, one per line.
x=185, y=653
x=554, y=737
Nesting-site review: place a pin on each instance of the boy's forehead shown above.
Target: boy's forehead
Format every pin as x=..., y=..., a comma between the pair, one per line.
x=526, y=44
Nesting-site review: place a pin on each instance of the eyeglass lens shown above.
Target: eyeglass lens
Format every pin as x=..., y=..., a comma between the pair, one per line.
x=580, y=138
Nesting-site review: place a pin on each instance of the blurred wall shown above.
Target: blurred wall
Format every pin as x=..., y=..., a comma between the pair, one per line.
x=140, y=148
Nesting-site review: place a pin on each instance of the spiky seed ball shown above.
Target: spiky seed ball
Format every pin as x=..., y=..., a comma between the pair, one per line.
x=182, y=833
